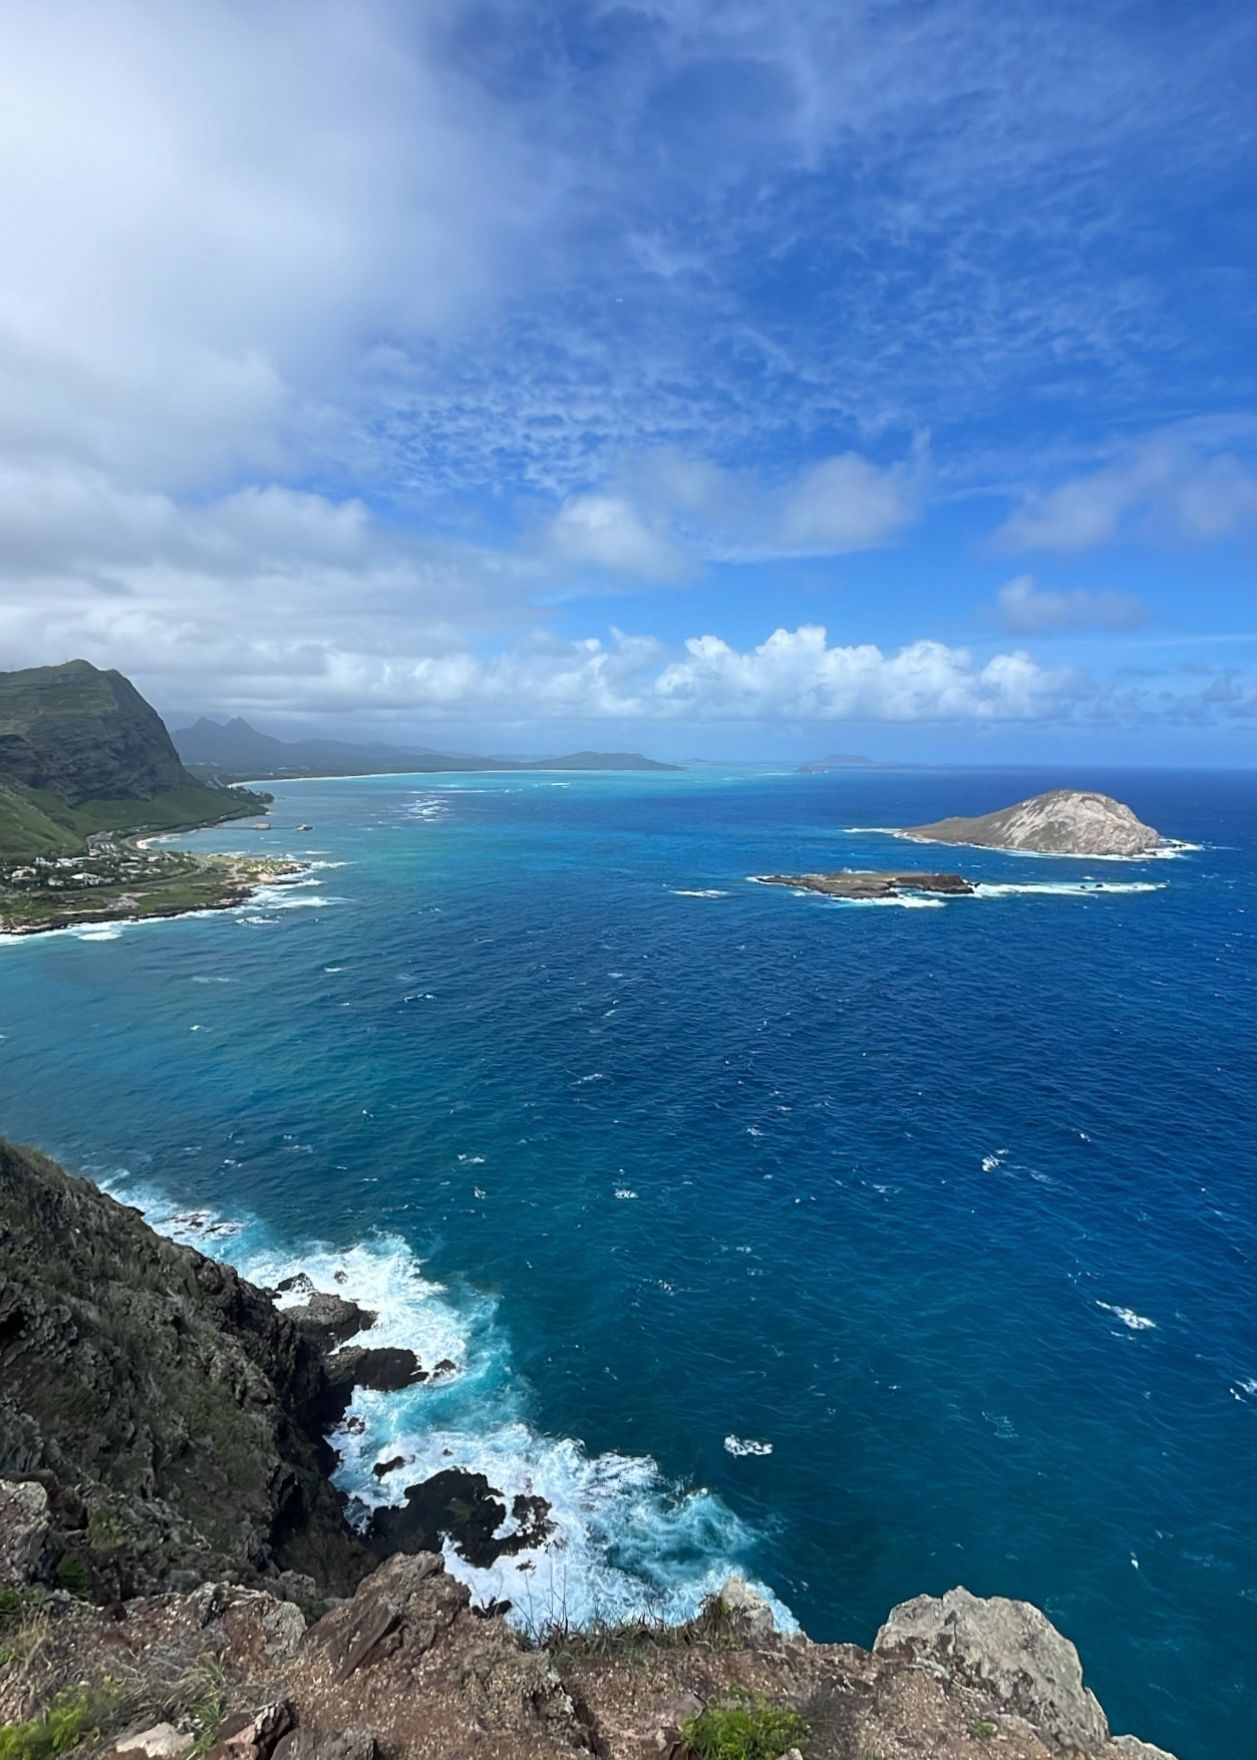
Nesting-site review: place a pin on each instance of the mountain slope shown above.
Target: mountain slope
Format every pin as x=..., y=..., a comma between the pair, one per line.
x=81, y=751
x=234, y=748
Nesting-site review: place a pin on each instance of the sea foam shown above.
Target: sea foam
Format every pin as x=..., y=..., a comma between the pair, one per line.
x=625, y=1540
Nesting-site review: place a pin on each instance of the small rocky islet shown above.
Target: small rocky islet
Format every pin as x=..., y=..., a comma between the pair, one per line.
x=1061, y=822
x=865, y=883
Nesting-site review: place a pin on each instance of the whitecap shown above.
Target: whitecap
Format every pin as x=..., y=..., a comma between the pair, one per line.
x=697, y=892
x=744, y=1445
x=624, y=1192
x=625, y=1540
x=1065, y=888
x=1128, y=1317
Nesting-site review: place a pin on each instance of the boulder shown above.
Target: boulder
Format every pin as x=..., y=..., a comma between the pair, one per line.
x=23, y=1529
x=329, y=1319
x=464, y=1508
x=1008, y=1650
x=384, y=1369
x=162, y=1742
x=749, y=1608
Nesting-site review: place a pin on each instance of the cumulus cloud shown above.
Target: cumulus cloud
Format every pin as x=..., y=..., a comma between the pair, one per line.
x=1028, y=610
x=607, y=532
x=1166, y=487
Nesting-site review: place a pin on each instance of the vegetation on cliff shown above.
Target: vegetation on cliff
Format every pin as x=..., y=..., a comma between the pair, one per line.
x=82, y=752
x=174, y=1415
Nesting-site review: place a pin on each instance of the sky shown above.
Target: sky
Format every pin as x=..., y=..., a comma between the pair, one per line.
x=748, y=379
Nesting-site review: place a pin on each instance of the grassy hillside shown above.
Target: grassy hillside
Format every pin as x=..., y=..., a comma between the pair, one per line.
x=81, y=751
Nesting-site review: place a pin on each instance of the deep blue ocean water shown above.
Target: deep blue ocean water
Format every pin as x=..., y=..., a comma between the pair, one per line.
x=951, y=1208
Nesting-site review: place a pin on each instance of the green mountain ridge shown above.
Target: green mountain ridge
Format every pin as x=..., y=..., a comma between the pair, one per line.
x=81, y=752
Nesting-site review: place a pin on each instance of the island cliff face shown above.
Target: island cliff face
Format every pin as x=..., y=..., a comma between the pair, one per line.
x=173, y=1562
x=1062, y=822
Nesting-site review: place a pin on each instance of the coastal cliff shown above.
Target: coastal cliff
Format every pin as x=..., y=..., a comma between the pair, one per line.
x=177, y=1576
x=81, y=752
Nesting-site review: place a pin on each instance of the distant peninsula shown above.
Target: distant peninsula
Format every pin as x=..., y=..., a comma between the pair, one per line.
x=86, y=768
x=1062, y=822
x=234, y=750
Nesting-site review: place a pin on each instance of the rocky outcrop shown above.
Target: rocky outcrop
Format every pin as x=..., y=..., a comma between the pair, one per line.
x=1063, y=822
x=409, y=1669
x=173, y=1417
x=870, y=883
x=462, y=1508
x=1007, y=1650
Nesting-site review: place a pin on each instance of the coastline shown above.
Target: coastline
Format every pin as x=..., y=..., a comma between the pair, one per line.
x=220, y=883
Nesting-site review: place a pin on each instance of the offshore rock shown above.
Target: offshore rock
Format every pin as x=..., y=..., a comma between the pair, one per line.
x=463, y=1508
x=870, y=883
x=1062, y=822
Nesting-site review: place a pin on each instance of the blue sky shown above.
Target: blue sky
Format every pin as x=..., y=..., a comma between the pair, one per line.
x=748, y=379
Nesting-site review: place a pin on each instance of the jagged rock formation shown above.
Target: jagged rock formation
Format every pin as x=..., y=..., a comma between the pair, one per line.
x=409, y=1670
x=80, y=751
x=1062, y=822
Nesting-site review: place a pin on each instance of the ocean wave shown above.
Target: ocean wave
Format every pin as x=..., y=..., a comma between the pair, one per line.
x=625, y=1540
x=1063, y=888
x=1170, y=850
x=697, y=892
x=1129, y=1318
x=743, y=1445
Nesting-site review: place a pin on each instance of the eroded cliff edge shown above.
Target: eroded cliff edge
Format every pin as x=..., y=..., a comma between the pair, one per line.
x=177, y=1574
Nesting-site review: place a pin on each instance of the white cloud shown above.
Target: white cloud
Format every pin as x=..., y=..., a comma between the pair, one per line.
x=210, y=212
x=846, y=503
x=607, y=532
x=674, y=511
x=1028, y=610
x=1167, y=487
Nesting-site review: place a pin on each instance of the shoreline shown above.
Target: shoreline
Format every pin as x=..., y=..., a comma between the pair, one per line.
x=233, y=889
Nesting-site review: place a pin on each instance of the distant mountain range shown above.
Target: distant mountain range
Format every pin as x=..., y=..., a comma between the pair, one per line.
x=233, y=749
x=82, y=752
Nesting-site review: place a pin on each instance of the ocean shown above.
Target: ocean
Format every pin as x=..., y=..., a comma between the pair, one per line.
x=863, y=1249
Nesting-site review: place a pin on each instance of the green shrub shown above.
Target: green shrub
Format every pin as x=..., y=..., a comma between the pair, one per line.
x=73, y=1575
x=73, y=1717
x=12, y=1607
x=982, y=1730
x=746, y=1727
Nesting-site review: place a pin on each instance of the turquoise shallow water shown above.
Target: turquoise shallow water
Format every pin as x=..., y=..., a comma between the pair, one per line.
x=951, y=1208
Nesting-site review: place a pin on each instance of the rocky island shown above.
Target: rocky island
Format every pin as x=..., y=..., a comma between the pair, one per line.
x=857, y=883
x=178, y=1577
x=1062, y=822
x=86, y=766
